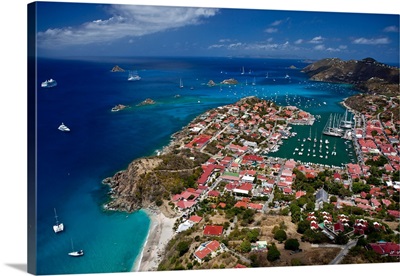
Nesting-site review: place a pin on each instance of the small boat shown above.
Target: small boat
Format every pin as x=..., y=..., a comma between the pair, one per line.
x=133, y=76
x=63, y=127
x=58, y=227
x=49, y=83
x=75, y=253
x=180, y=83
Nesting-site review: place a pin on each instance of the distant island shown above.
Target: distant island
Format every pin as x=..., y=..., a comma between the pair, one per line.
x=116, y=68
x=147, y=101
x=119, y=107
x=229, y=81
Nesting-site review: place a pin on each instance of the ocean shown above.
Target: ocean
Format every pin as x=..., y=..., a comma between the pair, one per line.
x=71, y=166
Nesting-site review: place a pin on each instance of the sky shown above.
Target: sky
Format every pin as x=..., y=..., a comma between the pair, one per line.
x=98, y=29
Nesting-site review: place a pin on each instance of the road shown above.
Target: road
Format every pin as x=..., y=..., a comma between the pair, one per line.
x=343, y=252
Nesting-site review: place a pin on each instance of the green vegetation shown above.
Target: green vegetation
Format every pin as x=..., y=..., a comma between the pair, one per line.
x=273, y=253
x=292, y=244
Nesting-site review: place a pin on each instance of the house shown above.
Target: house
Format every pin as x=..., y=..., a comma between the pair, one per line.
x=213, y=230
x=243, y=189
x=195, y=219
x=184, y=226
x=240, y=204
x=254, y=206
x=185, y=204
x=386, y=249
x=210, y=248
x=338, y=227
x=259, y=246
x=213, y=193
x=300, y=194
x=360, y=226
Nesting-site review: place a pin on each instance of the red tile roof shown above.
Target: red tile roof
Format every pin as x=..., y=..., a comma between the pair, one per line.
x=213, y=230
x=195, y=219
x=240, y=204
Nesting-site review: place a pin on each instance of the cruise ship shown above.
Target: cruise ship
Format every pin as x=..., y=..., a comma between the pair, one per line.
x=49, y=83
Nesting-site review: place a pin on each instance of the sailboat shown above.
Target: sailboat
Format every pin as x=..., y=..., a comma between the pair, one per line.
x=242, y=73
x=75, y=253
x=180, y=83
x=309, y=137
x=58, y=227
x=254, y=81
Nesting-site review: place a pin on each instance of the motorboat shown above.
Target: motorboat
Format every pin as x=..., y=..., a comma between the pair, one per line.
x=49, y=83
x=63, y=127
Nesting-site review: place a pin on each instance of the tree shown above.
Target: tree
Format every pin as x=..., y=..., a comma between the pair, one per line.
x=302, y=226
x=292, y=244
x=280, y=235
x=245, y=246
x=333, y=199
x=273, y=253
x=182, y=247
x=341, y=238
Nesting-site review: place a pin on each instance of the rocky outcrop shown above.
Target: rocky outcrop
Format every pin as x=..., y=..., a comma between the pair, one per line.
x=146, y=102
x=229, y=81
x=211, y=83
x=129, y=189
x=116, y=68
x=366, y=75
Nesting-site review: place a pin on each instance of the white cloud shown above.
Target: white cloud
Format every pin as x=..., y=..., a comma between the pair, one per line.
x=271, y=30
x=391, y=29
x=276, y=23
x=299, y=41
x=125, y=21
x=216, y=46
x=371, y=41
x=320, y=47
x=317, y=40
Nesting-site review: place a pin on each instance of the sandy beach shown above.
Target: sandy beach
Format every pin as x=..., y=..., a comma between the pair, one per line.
x=159, y=235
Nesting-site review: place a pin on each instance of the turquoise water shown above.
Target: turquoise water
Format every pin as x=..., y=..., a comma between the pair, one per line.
x=71, y=166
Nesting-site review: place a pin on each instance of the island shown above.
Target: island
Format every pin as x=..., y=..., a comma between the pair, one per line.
x=230, y=205
x=119, y=107
x=229, y=81
x=147, y=101
x=116, y=68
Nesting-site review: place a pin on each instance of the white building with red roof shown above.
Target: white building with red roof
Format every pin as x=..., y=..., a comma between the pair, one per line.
x=210, y=249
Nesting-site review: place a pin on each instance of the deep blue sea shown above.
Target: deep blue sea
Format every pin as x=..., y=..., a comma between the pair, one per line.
x=72, y=165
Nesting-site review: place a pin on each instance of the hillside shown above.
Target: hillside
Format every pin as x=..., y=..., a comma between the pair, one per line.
x=367, y=75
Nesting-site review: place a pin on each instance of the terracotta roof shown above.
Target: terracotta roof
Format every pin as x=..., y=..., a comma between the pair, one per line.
x=196, y=219
x=213, y=230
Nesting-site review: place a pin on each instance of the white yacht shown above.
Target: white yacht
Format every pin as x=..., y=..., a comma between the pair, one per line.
x=58, y=227
x=63, y=127
x=134, y=76
x=49, y=83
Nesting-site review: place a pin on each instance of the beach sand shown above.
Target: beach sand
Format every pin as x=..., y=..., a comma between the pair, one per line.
x=160, y=234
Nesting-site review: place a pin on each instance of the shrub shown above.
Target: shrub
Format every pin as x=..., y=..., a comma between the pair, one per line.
x=292, y=244
x=280, y=235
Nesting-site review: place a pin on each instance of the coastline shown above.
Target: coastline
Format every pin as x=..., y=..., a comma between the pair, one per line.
x=160, y=233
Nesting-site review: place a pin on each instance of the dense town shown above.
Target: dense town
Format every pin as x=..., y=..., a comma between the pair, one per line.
x=247, y=209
